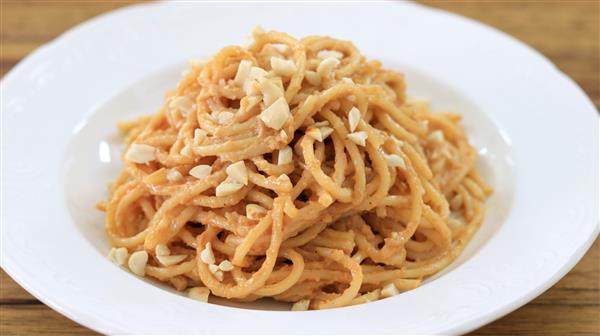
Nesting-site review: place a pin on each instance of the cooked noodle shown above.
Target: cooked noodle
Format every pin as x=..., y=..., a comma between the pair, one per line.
x=357, y=193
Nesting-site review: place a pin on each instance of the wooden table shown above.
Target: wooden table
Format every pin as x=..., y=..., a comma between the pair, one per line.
x=565, y=31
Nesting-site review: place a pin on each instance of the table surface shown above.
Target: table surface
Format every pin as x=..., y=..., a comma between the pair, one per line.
x=567, y=32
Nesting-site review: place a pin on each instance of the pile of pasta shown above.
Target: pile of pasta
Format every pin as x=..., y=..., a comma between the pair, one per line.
x=295, y=170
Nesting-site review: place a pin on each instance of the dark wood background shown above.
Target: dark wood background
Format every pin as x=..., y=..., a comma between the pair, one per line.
x=565, y=31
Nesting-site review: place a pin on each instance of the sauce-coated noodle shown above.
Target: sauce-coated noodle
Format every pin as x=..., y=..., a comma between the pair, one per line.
x=297, y=170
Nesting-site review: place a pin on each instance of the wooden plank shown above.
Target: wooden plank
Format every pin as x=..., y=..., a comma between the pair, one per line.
x=37, y=320
x=11, y=292
x=556, y=319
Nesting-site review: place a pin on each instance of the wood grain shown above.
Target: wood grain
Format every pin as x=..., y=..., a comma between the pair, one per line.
x=567, y=32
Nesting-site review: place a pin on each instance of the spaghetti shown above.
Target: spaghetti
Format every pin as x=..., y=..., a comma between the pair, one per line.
x=296, y=170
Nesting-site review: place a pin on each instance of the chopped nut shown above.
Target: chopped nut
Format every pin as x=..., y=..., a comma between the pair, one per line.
x=424, y=124
x=326, y=131
x=137, y=262
x=121, y=255
x=242, y=72
x=118, y=255
x=271, y=91
x=162, y=250
x=358, y=138
x=227, y=188
x=226, y=266
x=201, y=171
x=182, y=103
x=285, y=156
x=276, y=115
x=347, y=80
x=301, y=305
x=353, y=118
x=321, y=123
x=174, y=175
x=283, y=67
x=169, y=260
x=111, y=254
x=247, y=103
x=224, y=117
x=436, y=136
x=277, y=81
x=238, y=172
x=198, y=135
x=199, y=293
x=214, y=115
x=327, y=65
x=315, y=133
x=389, y=290
x=255, y=211
x=394, y=161
x=312, y=78
x=140, y=153
x=325, y=199
x=213, y=268
x=251, y=86
x=330, y=53
x=219, y=275
x=186, y=151
x=283, y=179
x=319, y=133
x=207, y=256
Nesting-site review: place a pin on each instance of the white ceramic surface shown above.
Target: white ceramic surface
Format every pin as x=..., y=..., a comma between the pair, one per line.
x=536, y=132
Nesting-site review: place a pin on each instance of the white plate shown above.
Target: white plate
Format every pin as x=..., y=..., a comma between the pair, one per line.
x=535, y=129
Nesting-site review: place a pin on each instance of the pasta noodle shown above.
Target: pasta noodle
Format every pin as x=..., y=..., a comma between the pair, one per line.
x=296, y=170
